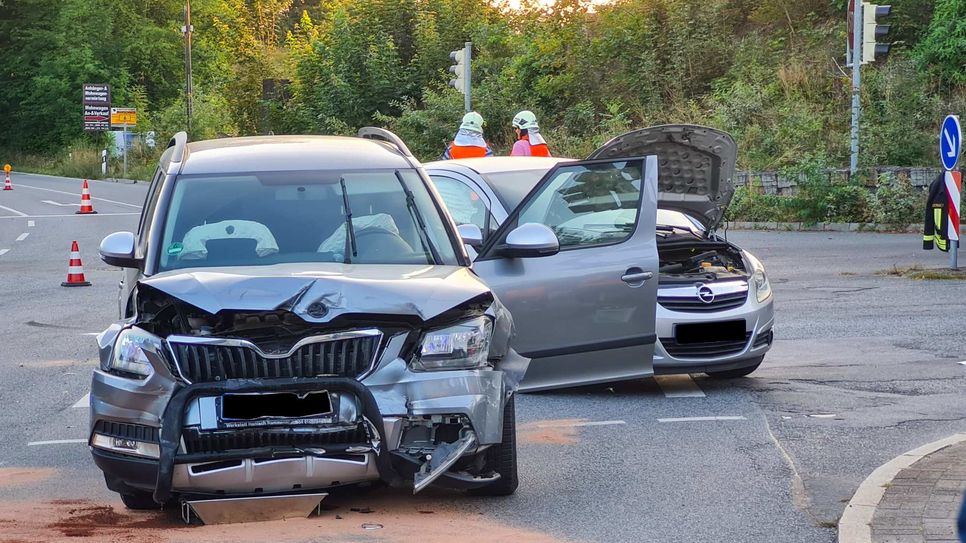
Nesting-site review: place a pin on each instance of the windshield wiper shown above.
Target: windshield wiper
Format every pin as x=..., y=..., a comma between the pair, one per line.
x=350, y=231
x=414, y=211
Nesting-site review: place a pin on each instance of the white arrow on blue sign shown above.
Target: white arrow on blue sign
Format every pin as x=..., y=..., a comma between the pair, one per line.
x=950, y=142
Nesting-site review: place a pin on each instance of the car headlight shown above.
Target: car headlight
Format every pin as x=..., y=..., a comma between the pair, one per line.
x=762, y=286
x=463, y=346
x=133, y=352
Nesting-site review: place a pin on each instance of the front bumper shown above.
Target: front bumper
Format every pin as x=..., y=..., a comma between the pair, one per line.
x=389, y=398
x=759, y=323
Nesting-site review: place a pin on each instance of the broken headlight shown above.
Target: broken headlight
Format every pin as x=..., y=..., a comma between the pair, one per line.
x=133, y=352
x=460, y=347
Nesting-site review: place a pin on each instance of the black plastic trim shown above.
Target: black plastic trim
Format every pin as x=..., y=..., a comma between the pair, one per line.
x=171, y=421
x=635, y=341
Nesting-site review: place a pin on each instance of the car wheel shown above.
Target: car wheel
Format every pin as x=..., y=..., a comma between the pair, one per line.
x=502, y=457
x=140, y=501
x=736, y=373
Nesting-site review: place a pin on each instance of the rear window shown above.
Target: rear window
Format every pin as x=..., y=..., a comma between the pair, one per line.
x=284, y=217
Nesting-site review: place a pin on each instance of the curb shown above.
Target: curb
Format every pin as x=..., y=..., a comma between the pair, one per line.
x=855, y=524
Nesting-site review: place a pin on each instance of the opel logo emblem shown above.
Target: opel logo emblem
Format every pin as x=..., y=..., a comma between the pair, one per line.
x=705, y=294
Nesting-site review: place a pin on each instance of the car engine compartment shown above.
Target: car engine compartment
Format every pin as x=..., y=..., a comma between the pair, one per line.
x=687, y=259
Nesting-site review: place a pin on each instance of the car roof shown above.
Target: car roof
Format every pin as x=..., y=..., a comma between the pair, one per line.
x=501, y=163
x=290, y=153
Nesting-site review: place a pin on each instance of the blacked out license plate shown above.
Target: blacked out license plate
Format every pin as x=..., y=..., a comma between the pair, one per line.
x=242, y=410
x=709, y=332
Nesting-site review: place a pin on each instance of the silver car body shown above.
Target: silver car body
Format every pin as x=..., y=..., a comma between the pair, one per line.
x=499, y=181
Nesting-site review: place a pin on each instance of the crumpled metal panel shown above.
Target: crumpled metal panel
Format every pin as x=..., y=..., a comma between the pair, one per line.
x=422, y=291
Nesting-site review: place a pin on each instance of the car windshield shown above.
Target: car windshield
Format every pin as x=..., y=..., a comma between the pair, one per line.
x=283, y=217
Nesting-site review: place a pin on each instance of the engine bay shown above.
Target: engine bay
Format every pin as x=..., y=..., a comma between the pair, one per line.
x=686, y=259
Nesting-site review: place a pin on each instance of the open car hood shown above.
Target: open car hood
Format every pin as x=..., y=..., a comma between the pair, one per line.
x=696, y=167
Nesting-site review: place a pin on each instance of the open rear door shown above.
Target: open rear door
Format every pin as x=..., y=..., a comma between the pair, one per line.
x=585, y=314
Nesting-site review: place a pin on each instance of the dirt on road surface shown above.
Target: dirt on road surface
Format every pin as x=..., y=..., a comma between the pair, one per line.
x=384, y=516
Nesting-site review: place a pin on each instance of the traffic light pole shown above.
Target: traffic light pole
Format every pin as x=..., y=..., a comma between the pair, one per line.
x=857, y=23
x=467, y=76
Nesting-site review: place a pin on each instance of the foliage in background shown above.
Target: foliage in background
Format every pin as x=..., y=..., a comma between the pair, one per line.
x=768, y=71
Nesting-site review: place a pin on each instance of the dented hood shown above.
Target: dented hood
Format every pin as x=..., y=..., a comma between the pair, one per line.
x=696, y=167
x=326, y=291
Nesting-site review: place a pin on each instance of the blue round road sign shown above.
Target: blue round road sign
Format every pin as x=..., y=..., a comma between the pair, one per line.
x=950, y=142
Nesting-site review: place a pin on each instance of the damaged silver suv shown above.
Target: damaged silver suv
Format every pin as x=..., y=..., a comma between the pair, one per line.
x=299, y=313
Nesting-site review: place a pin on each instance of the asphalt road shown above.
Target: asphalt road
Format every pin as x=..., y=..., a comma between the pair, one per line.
x=865, y=367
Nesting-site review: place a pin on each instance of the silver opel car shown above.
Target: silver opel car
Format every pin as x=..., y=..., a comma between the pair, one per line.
x=714, y=302
x=299, y=313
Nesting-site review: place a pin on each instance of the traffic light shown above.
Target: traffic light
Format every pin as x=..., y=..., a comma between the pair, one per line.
x=461, y=62
x=872, y=32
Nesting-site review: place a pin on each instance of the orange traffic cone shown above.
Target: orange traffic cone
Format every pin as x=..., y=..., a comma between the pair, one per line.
x=86, y=208
x=75, y=269
x=7, y=185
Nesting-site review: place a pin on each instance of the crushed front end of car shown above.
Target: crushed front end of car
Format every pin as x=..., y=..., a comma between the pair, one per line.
x=238, y=382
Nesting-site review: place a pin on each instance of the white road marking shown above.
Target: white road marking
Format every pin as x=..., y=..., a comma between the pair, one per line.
x=679, y=386
x=31, y=224
x=4, y=251
x=824, y=416
x=579, y=424
x=78, y=196
x=701, y=419
x=71, y=215
x=12, y=210
x=53, y=203
x=963, y=363
x=90, y=333
x=56, y=441
x=83, y=402
x=23, y=236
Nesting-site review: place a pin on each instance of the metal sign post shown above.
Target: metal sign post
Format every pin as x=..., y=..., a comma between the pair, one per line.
x=950, y=146
x=124, y=117
x=855, y=13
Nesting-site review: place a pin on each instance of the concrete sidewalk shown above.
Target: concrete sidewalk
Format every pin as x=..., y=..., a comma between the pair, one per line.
x=914, y=498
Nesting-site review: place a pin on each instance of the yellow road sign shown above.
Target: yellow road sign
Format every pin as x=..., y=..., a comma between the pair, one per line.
x=124, y=116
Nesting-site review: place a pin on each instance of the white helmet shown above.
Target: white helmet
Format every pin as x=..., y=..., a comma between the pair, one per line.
x=525, y=120
x=472, y=121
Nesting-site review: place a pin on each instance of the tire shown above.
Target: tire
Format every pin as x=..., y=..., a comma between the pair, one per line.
x=502, y=457
x=140, y=501
x=736, y=373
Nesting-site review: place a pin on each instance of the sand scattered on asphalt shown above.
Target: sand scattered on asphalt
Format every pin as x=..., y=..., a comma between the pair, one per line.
x=44, y=364
x=549, y=432
x=394, y=517
x=24, y=476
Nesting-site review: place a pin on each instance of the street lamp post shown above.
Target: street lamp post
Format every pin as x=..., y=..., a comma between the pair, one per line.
x=188, y=86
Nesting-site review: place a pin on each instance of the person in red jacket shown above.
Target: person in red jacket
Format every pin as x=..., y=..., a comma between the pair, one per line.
x=529, y=141
x=469, y=142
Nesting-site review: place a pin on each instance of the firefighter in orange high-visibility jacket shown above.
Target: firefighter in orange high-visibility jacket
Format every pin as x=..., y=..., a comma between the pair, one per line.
x=935, y=230
x=469, y=142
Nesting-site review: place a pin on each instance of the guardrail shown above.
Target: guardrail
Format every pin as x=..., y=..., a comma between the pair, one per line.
x=787, y=185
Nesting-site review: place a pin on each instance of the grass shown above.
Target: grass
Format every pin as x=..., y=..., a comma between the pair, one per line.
x=83, y=162
x=925, y=274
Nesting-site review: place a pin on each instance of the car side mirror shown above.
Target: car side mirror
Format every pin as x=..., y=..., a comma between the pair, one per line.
x=117, y=249
x=471, y=235
x=530, y=240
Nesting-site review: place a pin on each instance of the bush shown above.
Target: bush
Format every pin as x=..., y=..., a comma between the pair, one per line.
x=897, y=202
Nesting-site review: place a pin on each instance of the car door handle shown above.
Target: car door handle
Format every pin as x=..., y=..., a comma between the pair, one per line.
x=634, y=276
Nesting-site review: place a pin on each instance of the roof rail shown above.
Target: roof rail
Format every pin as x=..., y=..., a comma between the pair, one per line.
x=180, y=143
x=375, y=133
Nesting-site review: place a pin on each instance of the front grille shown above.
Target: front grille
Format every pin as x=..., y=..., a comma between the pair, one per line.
x=123, y=430
x=711, y=349
x=197, y=441
x=211, y=359
x=693, y=304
